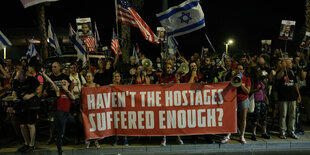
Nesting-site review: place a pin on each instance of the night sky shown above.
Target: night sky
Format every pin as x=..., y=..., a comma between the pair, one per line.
x=245, y=22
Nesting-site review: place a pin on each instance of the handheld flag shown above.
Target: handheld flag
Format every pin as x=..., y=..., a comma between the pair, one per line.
x=4, y=42
x=72, y=33
x=127, y=15
x=135, y=54
x=172, y=43
x=52, y=38
x=96, y=35
x=182, y=19
x=80, y=50
x=27, y=3
x=90, y=43
x=115, y=44
x=32, y=52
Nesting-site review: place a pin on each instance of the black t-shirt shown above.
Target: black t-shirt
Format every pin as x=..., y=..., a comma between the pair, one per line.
x=25, y=87
x=104, y=78
x=287, y=90
x=153, y=78
x=208, y=74
x=57, y=80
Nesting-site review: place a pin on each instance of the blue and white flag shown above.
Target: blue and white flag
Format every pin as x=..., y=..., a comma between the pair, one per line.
x=181, y=19
x=52, y=39
x=4, y=42
x=32, y=52
x=135, y=54
x=96, y=35
x=172, y=43
x=72, y=33
x=80, y=50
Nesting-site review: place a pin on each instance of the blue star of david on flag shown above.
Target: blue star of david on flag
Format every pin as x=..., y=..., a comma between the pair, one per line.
x=182, y=19
x=185, y=17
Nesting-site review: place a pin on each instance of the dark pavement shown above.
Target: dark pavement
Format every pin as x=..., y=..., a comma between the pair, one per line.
x=151, y=145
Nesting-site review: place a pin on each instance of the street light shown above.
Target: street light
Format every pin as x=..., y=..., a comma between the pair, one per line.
x=226, y=44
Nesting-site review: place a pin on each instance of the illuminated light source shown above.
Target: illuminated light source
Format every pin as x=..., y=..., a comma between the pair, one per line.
x=227, y=44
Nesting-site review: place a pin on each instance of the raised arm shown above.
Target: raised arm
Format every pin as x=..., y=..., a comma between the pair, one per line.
x=51, y=82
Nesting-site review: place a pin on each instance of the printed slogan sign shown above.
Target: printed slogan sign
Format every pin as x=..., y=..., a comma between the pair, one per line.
x=157, y=110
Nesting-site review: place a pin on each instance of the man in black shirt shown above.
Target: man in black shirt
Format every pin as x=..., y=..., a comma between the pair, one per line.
x=208, y=71
x=288, y=93
x=57, y=76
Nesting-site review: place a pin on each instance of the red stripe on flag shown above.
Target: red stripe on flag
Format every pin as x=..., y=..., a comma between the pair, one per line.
x=131, y=17
x=114, y=45
x=90, y=43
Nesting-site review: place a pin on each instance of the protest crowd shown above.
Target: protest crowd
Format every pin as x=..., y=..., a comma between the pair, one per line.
x=53, y=93
x=272, y=88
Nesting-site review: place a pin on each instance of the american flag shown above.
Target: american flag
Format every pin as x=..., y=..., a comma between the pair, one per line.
x=90, y=43
x=115, y=43
x=127, y=15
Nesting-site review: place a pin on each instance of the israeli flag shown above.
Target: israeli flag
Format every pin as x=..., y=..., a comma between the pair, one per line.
x=52, y=38
x=32, y=52
x=80, y=50
x=134, y=53
x=4, y=42
x=181, y=19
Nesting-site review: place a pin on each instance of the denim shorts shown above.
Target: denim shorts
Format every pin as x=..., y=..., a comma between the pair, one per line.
x=244, y=104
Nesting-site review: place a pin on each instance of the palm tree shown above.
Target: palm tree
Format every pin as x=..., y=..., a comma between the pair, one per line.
x=42, y=28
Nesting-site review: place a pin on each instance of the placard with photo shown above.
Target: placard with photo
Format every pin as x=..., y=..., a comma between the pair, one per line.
x=161, y=33
x=287, y=30
x=306, y=41
x=84, y=28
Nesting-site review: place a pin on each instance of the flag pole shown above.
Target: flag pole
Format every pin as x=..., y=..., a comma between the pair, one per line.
x=210, y=43
x=116, y=17
x=116, y=21
x=88, y=61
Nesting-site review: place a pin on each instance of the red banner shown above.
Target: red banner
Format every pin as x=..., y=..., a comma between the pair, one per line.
x=157, y=110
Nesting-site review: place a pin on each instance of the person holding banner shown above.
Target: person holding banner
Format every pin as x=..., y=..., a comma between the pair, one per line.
x=90, y=84
x=117, y=81
x=169, y=78
x=242, y=102
x=193, y=76
x=209, y=73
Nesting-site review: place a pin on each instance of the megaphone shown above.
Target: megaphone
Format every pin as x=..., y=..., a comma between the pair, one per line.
x=146, y=63
x=236, y=80
x=183, y=68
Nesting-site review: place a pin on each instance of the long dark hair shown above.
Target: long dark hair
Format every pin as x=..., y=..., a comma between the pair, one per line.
x=255, y=76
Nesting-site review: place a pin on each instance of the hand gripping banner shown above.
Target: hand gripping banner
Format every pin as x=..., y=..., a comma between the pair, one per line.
x=157, y=110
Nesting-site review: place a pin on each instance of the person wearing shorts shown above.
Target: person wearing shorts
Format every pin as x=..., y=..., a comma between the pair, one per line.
x=242, y=102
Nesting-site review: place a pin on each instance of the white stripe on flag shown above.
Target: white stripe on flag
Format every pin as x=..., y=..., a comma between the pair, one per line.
x=127, y=15
x=80, y=50
x=27, y=3
x=4, y=41
x=184, y=18
x=53, y=38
